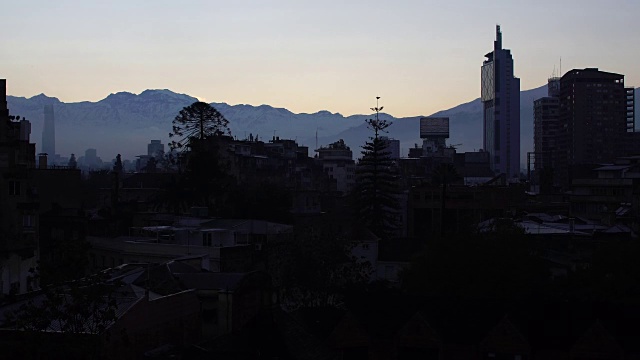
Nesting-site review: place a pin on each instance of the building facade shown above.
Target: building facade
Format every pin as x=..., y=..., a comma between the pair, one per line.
x=337, y=162
x=392, y=147
x=592, y=121
x=545, y=133
x=155, y=148
x=19, y=250
x=434, y=132
x=500, y=95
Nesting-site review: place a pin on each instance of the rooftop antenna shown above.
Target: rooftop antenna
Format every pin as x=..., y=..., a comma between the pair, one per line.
x=316, y=137
x=560, y=65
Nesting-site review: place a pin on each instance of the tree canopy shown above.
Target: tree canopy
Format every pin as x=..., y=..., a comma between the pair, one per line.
x=377, y=185
x=86, y=305
x=316, y=266
x=197, y=121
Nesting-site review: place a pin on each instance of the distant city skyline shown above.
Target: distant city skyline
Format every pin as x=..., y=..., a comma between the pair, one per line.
x=419, y=56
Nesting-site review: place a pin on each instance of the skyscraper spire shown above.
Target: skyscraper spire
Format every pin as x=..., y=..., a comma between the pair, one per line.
x=500, y=94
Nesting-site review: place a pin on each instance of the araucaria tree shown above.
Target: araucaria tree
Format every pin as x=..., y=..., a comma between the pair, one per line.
x=197, y=122
x=198, y=131
x=377, y=189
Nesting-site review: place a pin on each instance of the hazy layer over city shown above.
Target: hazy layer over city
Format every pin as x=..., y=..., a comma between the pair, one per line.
x=420, y=56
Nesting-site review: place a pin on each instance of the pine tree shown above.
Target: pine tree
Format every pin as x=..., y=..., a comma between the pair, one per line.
x=377, y=189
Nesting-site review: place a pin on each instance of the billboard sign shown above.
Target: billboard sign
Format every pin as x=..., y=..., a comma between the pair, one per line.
x=434, y=127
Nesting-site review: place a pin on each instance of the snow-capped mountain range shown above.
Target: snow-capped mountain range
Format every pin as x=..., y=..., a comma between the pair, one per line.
x=124, y=123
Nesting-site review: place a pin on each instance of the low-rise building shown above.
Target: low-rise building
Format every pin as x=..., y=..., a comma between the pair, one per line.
x=337, y=162
x=229, y=244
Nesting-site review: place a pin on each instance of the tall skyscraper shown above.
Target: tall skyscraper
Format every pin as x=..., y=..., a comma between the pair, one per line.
x=49, y=132
x=155, y=148
x=593, y=121
x=500, y=95
x=545, y=133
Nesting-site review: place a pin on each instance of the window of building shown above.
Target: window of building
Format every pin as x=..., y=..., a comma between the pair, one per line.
x=207, y=239
x=28, y=221
x=14, y=187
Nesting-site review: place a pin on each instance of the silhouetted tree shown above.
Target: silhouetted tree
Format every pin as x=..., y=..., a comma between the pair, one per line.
x=151, y=166
x=167, y=162
x=197, y=133
x=315, y=268
x=117, y=166
x=86, y=305
x=67, y=259
x=73, y=163
x=377, y=184
x=82, y=307
x=197, y=121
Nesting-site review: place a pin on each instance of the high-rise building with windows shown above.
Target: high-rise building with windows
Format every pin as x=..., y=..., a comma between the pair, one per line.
x=19, y=245
x=593, y=121
x=155, y=148
x=500, y=95
x=545, y=134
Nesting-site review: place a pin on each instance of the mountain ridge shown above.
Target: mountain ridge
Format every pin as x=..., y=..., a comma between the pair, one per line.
x=124, y=122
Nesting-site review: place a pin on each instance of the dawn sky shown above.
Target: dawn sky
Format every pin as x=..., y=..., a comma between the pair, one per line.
x=419, y=56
